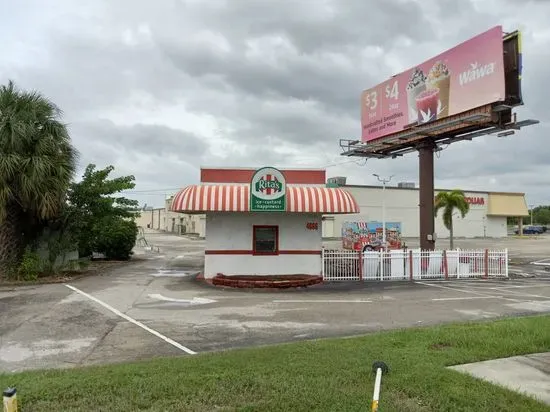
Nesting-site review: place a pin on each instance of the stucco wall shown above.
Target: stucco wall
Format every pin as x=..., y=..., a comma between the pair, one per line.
x=165, y=220
x=497, y=226
x=231, y=233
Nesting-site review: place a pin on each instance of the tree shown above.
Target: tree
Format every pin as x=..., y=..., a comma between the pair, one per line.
x=37, y=163
x=116, y=237
x=449, y=201
x=95, y=203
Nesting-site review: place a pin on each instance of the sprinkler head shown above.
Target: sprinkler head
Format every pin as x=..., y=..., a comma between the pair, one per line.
x=380, y=365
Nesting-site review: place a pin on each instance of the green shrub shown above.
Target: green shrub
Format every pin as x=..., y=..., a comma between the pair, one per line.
x=116, y=238
x=30, y=266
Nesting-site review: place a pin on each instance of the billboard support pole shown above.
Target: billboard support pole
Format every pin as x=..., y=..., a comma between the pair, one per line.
x=426, y=195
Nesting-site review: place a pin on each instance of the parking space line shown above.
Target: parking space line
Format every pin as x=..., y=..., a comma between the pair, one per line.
x=473, y=292
x=131, y=320
x=519, y=293
x=468, y=298
x=531, y=286
x=322, y=301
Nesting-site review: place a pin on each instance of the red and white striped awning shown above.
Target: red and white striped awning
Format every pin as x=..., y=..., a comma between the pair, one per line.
x=236, y=198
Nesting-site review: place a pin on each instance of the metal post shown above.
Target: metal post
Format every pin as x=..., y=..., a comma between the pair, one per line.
x=384, y=213
x=378, y=368
x=384, y=181
x=426, y=196
x=506, y=261
x=376, y=395
x=531, y=206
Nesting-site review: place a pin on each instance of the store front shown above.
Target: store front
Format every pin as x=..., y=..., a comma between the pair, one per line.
x=265, y=221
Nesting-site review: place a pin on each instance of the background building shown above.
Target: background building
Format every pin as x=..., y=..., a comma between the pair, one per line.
x=487, y=217
x=164, y=219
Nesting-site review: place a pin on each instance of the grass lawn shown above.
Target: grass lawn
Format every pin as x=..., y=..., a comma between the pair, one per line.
x=325, y=375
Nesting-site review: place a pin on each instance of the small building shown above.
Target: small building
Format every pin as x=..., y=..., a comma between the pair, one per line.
x=161, y=218
x=265, y=221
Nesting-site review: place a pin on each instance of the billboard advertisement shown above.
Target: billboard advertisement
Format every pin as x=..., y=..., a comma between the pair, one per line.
x=465, y=77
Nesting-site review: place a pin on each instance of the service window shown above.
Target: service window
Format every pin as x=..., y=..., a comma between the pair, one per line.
x=265, y=240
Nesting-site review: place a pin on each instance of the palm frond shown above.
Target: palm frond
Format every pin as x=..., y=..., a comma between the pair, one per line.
x=37, y=161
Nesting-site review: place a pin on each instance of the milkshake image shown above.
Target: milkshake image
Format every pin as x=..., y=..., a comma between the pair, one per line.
x=439, y=77
x=426, y=104
x=415, y=86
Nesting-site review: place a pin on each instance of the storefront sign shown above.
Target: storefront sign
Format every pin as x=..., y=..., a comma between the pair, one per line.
x=268, y=191
x=475, y=200
x=312, y=225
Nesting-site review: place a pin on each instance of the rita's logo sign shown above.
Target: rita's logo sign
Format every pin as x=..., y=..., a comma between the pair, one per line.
x=268, y=191
x=268, y=185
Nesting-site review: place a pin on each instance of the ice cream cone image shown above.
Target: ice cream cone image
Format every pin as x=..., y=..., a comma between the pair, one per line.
x=439, y=77
x=415, y=86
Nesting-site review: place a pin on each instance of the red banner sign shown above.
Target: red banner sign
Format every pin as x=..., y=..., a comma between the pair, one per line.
x=475, y=200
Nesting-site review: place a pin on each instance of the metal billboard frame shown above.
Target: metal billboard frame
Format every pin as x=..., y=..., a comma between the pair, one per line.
x=431, y=137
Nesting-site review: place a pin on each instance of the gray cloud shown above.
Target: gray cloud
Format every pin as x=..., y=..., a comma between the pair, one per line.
x=158, y=89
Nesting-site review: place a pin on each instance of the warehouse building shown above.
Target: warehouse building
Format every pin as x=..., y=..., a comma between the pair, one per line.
x=487, y=217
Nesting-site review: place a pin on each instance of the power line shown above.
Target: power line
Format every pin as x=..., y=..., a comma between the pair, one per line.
x=173, y=189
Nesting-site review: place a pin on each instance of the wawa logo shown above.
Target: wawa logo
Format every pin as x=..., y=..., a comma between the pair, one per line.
x=476, y=72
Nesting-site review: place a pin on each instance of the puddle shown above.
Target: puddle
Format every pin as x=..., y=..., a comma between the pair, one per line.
x=170, y=273
x=16, y=352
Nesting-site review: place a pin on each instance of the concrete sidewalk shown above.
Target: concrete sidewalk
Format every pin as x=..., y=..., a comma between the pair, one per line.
x=528, y=374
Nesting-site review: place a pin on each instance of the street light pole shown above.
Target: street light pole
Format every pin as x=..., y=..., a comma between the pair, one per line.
x=384, y=181
x=531, y=206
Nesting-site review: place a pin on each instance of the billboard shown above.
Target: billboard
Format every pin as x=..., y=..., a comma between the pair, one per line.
x=465, y=77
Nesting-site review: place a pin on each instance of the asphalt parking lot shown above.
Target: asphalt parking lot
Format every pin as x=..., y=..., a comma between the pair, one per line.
x=155, y=307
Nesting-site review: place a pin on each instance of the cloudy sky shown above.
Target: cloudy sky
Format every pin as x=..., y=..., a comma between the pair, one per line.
x=159, y=89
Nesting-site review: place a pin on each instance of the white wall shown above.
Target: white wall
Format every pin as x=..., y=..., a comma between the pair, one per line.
x=402, y=205
x=497, y=226
x=233, y=231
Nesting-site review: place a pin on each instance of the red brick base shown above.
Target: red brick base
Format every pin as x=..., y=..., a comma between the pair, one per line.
x=266, y=282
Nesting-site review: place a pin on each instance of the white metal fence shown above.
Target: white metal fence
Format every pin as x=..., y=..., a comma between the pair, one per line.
x=414, y=264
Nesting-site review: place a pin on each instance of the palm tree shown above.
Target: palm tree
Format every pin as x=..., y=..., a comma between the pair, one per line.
x=37, y=163
x=449, y=201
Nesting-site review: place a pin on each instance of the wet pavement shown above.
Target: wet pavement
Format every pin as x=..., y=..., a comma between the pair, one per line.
x=155, y=307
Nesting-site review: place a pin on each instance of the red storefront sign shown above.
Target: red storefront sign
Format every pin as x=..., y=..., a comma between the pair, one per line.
x=475, y=200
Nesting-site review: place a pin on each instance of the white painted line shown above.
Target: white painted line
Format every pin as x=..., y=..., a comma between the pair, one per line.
x=323, y=301
x=131, y=320
x=468, y=298
x=463, y=291
x=534, y=285
x=194, y=301
x=519, y=293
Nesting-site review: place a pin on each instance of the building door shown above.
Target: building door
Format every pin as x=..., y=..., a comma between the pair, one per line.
x=327, y=228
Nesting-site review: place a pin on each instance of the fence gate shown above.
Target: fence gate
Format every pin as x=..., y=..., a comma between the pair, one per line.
x=341, y=264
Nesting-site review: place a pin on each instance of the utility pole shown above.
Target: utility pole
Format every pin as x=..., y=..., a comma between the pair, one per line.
x=384, y=181
x=531, y=207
